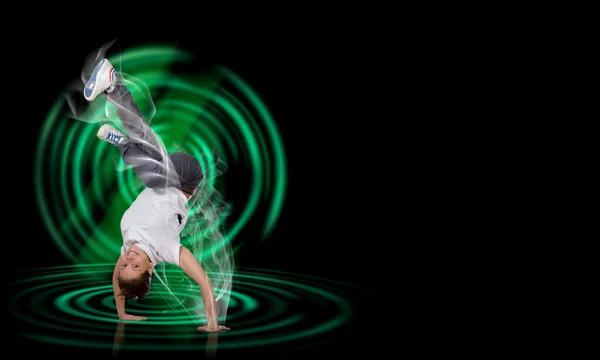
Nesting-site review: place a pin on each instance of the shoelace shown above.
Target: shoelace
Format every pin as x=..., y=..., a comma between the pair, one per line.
x=113, y=138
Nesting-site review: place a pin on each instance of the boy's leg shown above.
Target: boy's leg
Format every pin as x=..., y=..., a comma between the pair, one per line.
x=137, y=128
x=140, y=148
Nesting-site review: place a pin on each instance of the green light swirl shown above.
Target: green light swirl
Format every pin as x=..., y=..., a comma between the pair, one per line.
x=83, y=188
x=63, y=304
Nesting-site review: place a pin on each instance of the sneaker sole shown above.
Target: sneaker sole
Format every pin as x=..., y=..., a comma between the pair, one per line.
x=91, y=83
x=90, y=86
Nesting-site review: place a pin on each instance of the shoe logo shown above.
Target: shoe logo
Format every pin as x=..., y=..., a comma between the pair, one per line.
x=91, y=85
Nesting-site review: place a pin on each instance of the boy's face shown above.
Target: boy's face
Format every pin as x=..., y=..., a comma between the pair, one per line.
x=134, y=263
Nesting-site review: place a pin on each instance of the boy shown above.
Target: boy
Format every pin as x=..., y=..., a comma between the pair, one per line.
x=152, y=225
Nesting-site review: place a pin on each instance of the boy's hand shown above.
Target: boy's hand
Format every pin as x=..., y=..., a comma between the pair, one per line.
x=132, y=317
x=213, y=329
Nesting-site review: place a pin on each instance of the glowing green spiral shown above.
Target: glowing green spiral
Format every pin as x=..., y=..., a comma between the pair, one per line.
x=83, y=188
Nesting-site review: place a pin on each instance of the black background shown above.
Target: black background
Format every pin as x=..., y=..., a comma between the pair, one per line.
x=313, y=87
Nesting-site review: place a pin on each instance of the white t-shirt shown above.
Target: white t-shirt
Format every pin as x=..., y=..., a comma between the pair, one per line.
x=154, y=222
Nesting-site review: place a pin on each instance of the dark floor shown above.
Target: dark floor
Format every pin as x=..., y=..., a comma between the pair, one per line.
x=70, y=311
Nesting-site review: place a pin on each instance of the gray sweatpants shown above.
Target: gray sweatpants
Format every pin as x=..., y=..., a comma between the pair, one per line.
x=141, y=150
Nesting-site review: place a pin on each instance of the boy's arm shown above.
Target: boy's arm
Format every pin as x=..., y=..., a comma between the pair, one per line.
x=189, y=264
x=119, y=299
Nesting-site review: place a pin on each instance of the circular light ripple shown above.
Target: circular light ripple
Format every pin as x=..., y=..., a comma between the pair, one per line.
x=74, y=306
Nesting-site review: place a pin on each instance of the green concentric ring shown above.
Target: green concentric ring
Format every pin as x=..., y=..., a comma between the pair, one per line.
x=74, y=306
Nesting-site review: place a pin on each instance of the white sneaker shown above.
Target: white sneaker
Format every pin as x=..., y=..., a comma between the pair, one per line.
x=102, y=80
x=109, y=134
